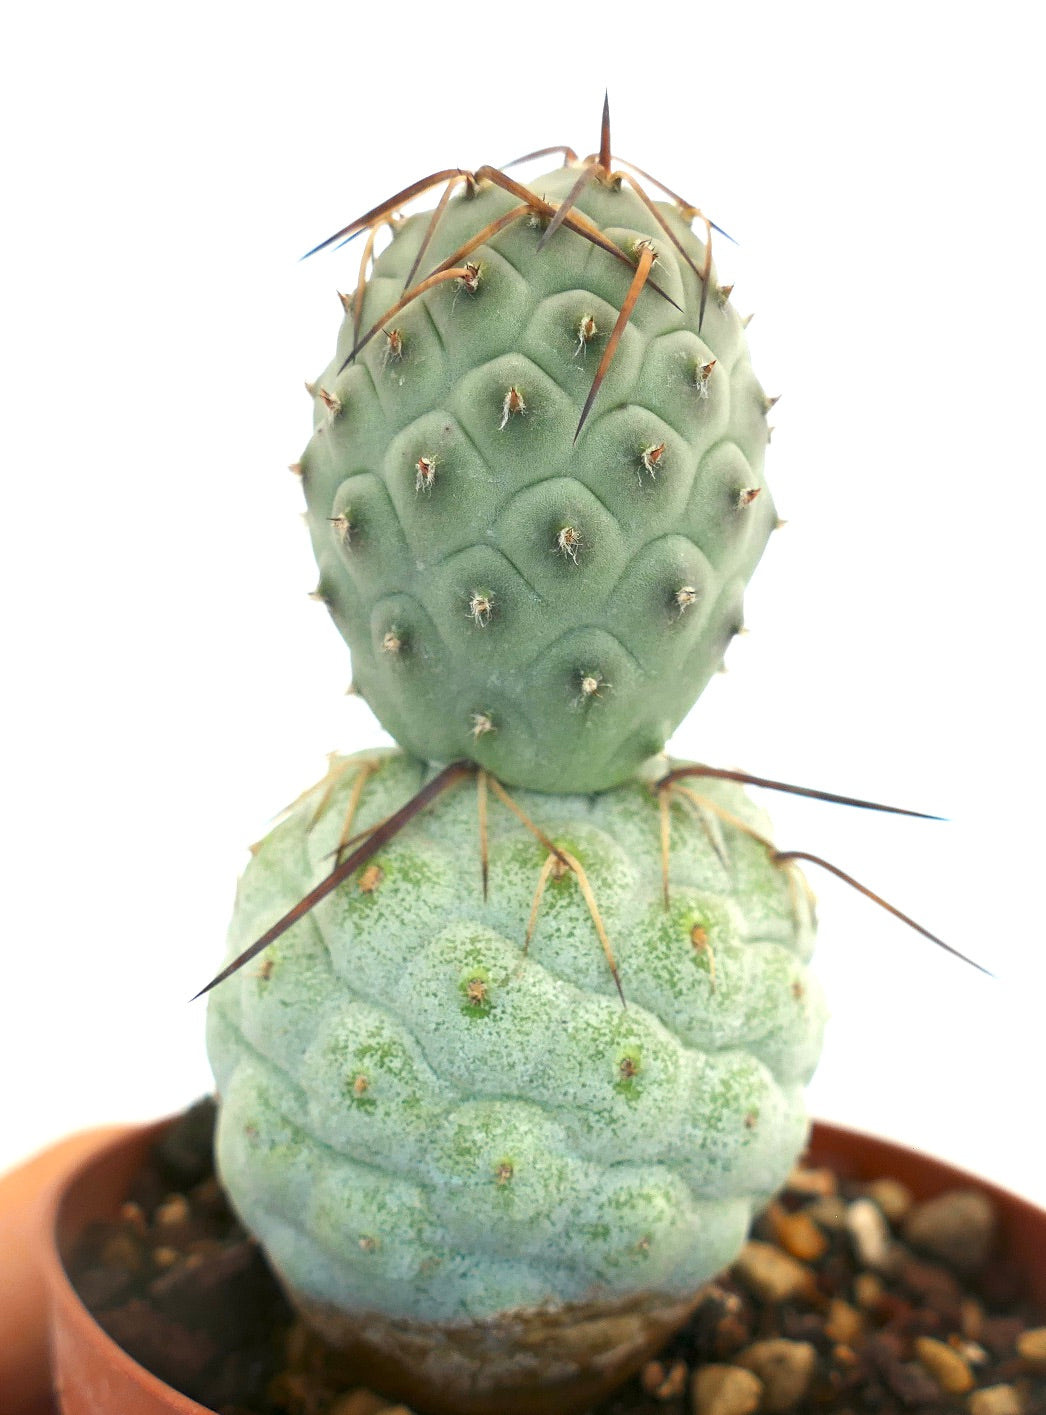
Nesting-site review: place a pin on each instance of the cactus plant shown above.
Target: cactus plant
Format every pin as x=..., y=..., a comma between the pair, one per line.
x=513, y=1076
x=536, y=580
x=472, y=1166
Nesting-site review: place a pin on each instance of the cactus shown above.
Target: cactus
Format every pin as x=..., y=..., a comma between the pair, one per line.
x=537, y=581
x=472, y=1166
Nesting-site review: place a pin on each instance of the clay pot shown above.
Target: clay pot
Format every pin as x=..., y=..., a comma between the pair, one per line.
x=93, y=1376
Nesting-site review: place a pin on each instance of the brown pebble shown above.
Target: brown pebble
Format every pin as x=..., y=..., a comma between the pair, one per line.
x=972, y=1319
x=843, y=1323
x=786, y=1369
x=1031, y=1346
x=945, y=1365
x=995, y=1400
x=893, y=1198
x=131, y=1214
x=771, y=1274
x=122, y=1251
x=358, y=1402
x=797, y=1234
x=817, y=1183
x=662, y=1384
x=652, y=1376
x=173, y=1211
x=724, y=1390
x=957, y=1226
x=868, y=1291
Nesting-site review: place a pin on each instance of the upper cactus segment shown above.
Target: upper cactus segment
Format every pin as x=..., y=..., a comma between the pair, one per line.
x=535, y=486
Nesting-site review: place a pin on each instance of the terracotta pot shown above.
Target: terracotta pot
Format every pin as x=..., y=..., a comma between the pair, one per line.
x=93, y=1376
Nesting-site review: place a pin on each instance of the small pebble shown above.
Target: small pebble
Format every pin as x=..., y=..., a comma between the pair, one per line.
x=893, y=1198
x=771, y=1274
x=662, y=1384
x=868, y=1291
x=945, y=1365
x=651, y=1377
x=972, y=1319
x=817, y=1183
x=131, y=1214
x=798, y=1234
x=970, y=1351
x=995, y=1400
x=869, y=1233
x=358, y=1402
x=173, y=1211
x=724, y=1390
x=958, y=1226
x=843, y=1323
x=122, y=1251
x=786, y=1369
x=1031, y=1346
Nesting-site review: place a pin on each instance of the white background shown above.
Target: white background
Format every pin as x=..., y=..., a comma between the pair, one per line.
x=169, y=683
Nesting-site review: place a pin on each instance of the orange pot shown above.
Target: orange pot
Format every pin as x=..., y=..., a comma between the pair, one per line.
x=94, y=1376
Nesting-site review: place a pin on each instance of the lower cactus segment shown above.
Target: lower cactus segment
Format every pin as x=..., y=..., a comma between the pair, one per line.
x=440, y=1120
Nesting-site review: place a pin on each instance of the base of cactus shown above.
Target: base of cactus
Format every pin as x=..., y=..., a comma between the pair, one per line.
x=518, y=1363
x=276, y=1366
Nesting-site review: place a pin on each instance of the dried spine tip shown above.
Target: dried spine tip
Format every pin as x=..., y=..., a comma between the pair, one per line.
x=481, y=724
x=747, y=495
x=723, y=293
x=769, y=402
x=424, y=473
x=394, y=344
x=346, y=302
x=685, y=596
x=343, y=527
x=568, y=542
x=702, y=373
x=470, y=280
x=331, y=401
x=512, y=406
x=586, y=331
x=297, y=468
x=652, y=457
x=481, y=606
x=391, y=643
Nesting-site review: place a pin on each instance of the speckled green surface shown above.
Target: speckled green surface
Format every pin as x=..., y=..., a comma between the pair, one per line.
x=420, y=1117
x=473, y=632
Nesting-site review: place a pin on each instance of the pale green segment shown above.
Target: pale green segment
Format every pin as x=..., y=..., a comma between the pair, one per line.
x=408, y=562
x=423, y=1115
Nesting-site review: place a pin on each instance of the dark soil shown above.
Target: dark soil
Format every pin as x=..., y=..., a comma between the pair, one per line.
x=845, y=1301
